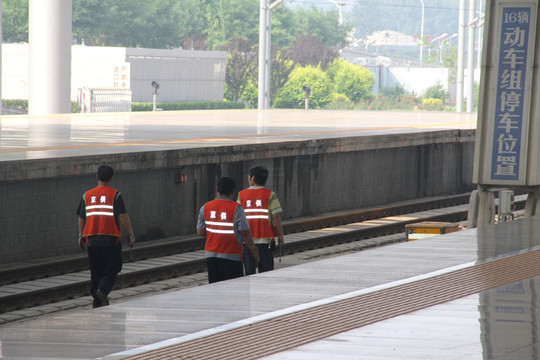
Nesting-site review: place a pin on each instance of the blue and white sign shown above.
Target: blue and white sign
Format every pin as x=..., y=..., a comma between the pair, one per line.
x=508, y=137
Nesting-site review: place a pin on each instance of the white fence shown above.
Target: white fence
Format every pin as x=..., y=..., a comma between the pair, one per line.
x=98, y=100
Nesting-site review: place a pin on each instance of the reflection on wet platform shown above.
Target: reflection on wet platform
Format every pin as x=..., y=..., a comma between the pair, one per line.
x=24, y=137
x=455, y=321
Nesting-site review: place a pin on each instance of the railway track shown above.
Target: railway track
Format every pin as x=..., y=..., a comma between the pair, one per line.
x=68, y=278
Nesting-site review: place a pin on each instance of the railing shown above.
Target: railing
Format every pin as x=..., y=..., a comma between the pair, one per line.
x=98, y=100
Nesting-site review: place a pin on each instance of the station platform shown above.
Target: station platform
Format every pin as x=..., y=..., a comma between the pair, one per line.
x=470, y=294
x=76, y=135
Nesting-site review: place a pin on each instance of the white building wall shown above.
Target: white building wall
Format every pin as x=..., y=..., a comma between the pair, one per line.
x=15, y=65
x=183, y=75
x=416, y=80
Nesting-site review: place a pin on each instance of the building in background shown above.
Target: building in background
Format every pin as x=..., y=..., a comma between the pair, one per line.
x=183, y=75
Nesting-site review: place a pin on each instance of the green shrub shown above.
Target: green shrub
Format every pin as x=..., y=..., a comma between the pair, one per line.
x=432, y=104
x=402, y=102
x=148, y=106
x=354, y=81
x=18, y=104
x=339, y=102
x=188, y=105
x=394, y=91
x=291, y=95
x=436, y=91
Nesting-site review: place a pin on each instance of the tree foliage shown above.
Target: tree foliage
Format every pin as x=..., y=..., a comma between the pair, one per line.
x=310, y=50
x=321, y=24
x=241, y=64
x=231, y=19
x=15, y=20
x=306, y=36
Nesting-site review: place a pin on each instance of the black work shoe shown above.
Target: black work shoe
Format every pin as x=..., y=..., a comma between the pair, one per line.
x=103, y=299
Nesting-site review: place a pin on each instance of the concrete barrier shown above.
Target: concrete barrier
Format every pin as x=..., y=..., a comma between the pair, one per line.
x=164, y=190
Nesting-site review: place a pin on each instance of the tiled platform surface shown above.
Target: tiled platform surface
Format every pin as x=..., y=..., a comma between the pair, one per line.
x=73, y=135
x=499, y=323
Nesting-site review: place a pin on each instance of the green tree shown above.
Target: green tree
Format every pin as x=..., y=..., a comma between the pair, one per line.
x=132, y=23
x=250, y=95
x=351, y=80
x=100, y=22
x=280, y=70
x=321, y=24
x=15, y=20
x=291, y=94
x=241, y=64
x=310, y=50
x=230, y=19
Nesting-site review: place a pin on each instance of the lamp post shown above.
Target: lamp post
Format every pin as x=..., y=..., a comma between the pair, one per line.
x=441, y=45
x=422, y=32
x=441, y=37
x=339, y=5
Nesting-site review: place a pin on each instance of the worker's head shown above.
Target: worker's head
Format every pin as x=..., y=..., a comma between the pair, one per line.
x=226, y=186
x=105, y=173
x=259, y=174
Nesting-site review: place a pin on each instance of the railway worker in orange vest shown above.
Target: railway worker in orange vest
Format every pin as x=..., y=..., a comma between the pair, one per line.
x=101, y=211
x=224, y=225
x=263, y=212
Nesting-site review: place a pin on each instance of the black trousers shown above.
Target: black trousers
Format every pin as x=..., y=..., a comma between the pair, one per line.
x=223, y=269
x=266, y=259
x=105, y=264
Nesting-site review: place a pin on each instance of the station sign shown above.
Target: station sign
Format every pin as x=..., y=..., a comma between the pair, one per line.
x=505, y=123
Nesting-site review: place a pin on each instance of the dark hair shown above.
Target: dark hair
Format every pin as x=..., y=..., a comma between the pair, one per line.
x=105, y=173
x=226, y=185
x=260, y=173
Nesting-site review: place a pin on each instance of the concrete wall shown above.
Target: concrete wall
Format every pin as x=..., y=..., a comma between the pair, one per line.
x=183, y=75
x=39, y=197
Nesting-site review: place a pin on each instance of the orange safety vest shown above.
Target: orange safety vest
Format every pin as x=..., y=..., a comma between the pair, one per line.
x=100, y=220
x=219, y=220
x=255, y=204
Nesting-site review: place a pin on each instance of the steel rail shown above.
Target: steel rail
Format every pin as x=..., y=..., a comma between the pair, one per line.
x=178, y=245
x=170, y=270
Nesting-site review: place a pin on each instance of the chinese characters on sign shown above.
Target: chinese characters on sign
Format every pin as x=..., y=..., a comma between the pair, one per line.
x=509, y=112
x=121, y=77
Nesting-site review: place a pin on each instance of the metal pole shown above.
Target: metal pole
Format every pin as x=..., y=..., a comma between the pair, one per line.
x=265, y=54
x=262, y=53
x=470, y=57
x=268, y=59
x=1, y=41
x=460, y=59
x=422, y=33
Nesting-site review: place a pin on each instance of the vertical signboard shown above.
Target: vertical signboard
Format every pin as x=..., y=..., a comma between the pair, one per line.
x=509, y=139
x=504, y=117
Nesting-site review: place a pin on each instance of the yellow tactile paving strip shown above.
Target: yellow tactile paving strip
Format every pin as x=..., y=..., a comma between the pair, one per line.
x=305, y=326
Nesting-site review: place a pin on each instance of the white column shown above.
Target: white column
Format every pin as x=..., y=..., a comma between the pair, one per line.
x=422, y=33
x=1, y=41
x=268, y=59
x=470, y=56
x=461, y=57
x=262, y=53
x=50, y=38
